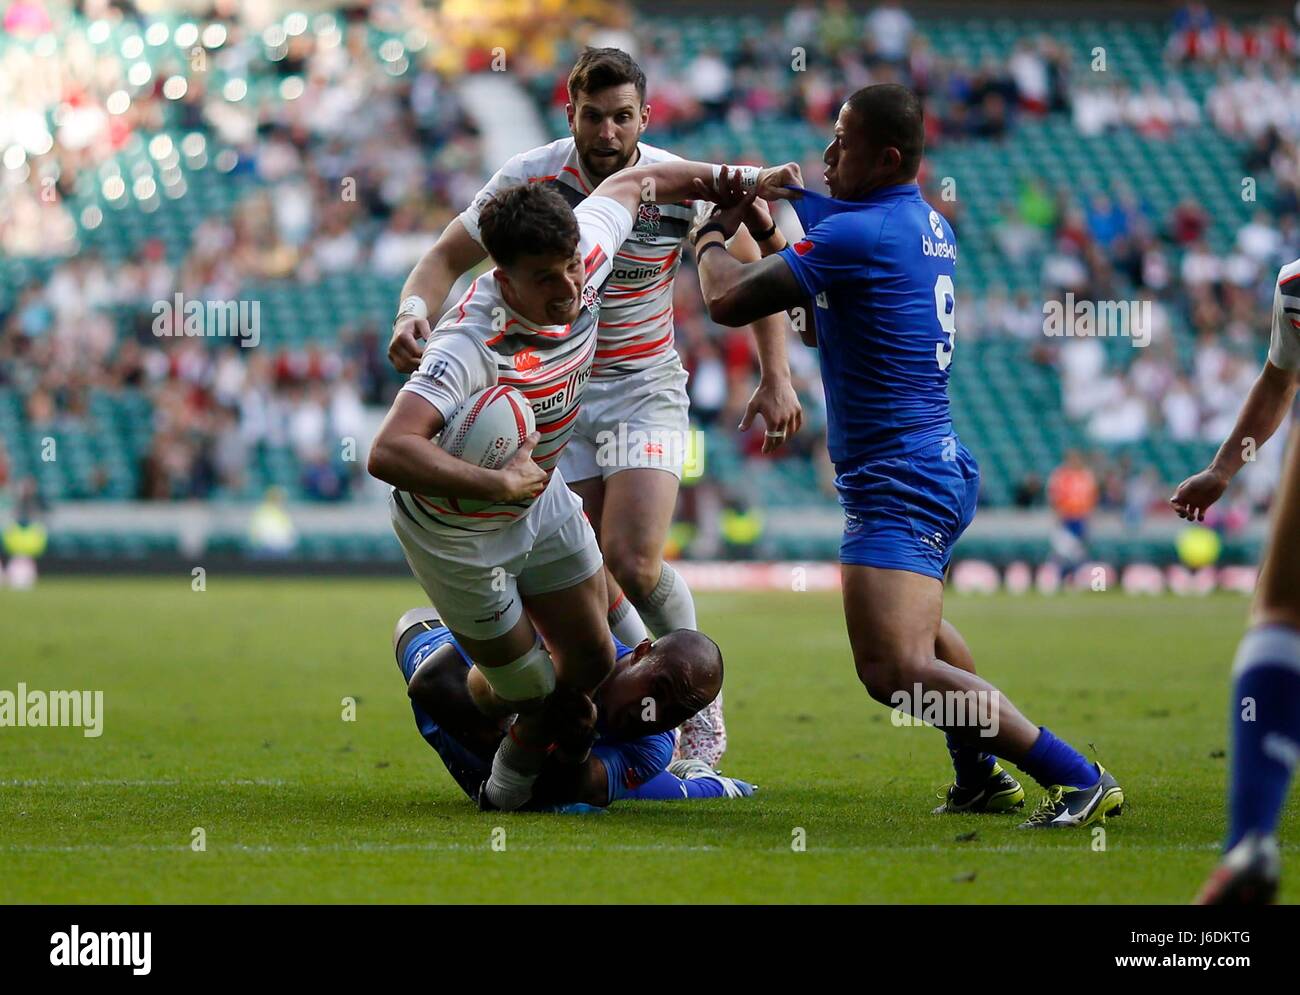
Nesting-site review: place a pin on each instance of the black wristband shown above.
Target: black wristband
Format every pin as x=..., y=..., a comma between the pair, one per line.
x=708, y=227
x=763, y=236
x=699, y=253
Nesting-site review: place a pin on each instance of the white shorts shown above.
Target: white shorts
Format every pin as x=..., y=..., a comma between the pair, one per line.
x=479, y=596
x=632, y=422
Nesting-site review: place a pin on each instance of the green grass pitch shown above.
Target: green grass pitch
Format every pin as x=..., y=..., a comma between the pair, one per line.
x=223, y=711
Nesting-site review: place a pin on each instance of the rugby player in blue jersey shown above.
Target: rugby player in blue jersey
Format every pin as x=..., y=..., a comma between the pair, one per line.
x=876, y=269
x=617, y=747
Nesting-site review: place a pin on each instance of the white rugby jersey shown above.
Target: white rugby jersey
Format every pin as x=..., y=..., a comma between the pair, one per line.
x=636, y=318
x=481, y=342
x=1284, y=346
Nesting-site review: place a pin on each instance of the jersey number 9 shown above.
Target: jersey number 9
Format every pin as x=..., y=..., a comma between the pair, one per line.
x=945, y=306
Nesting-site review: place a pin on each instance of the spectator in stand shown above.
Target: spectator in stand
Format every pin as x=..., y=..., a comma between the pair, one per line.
x=1072, y=493
x=710, y=77
x=889, y=32
x=1188, y=222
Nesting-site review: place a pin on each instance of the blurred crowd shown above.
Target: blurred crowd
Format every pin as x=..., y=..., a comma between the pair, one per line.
x=352, y=149
x=1199, y=37
x=1203, y=315
x=359, y=171
x=804, y=64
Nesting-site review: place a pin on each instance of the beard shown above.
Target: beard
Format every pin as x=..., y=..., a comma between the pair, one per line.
x=600, y=167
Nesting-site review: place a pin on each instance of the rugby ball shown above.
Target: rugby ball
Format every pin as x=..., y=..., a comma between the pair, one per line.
x=486, y=430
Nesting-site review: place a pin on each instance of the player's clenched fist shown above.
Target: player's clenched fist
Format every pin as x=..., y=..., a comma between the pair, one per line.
x=1195, y=494
x=405, y=347
x=773, y=182
x=738, y=186
x=521, y=478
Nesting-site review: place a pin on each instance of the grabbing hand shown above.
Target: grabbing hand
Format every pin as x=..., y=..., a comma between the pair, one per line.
x=520, y=478
x=570, y=722
x=732, y=203
x=773, y=181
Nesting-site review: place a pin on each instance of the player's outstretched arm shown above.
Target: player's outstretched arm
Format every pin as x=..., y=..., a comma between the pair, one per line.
x=739, y=293
x=426, y=289
x=774, y=399
x=403, y=455
x=1265, y=407
x=679, y=179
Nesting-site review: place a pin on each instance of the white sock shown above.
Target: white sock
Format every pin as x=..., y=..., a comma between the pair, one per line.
x=670, y=605
x=625, y=622
x=508, y=787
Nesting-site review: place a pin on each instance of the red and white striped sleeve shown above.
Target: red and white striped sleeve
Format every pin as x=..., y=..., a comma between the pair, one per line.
x=1284, y=345
x=455, y=365
x=604, y=224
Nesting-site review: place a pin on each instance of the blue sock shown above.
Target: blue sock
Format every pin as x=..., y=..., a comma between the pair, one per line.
x=1054, y=761
x=971, y=765
x=1265, y=720
x=666, y=786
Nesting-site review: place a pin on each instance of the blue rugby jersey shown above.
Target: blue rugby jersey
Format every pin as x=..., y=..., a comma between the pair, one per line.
x=881, y=275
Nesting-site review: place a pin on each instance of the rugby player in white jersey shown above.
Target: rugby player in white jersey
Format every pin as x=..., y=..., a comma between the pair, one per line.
x=1266, y=738
x=626, y=456
x=528, y=556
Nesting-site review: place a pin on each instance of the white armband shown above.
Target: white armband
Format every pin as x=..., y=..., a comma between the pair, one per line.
x=412, y=306
x=748, y=175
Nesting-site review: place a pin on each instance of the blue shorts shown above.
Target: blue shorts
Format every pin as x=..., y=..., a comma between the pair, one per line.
x=907, y=512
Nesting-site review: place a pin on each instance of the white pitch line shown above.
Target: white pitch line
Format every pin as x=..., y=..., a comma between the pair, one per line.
x=135, y=782
x=565, y=848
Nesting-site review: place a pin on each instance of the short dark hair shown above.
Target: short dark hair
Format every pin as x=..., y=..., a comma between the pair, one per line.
x=600, y=68
x=893, y=116
x=527, y=220
x=698, y=657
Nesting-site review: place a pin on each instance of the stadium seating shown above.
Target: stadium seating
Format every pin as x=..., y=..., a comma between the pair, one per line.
x=1006, y=406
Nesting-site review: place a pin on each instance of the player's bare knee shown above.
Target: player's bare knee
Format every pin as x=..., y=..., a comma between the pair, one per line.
x=883, y=676
x=879, y=678
x=637, y=571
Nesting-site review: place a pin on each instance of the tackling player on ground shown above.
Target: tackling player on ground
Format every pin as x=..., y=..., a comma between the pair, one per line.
x=876, y=269
x=531, y=324
x=625, y=455
x=653, y=689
